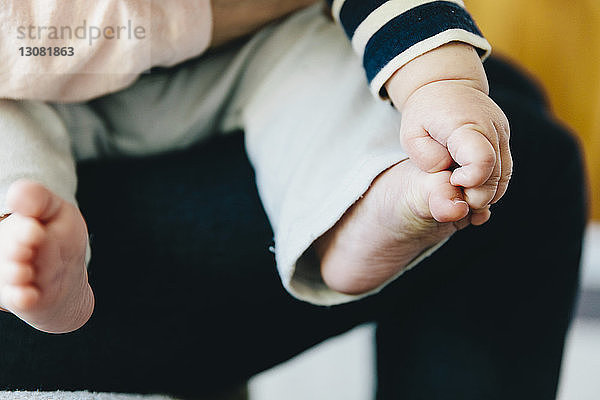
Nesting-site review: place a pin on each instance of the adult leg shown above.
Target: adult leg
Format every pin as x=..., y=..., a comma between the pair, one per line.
x=175, y=325
x=177, y=315
x=199, y=314
x=485, y=317
x=188, y=297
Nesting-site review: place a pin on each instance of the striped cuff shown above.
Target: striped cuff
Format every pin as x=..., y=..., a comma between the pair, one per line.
x=389, y=33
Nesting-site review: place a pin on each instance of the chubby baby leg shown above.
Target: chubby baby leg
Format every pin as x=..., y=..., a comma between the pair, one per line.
x=404, y=212
x=331, y=170
x=43, y=276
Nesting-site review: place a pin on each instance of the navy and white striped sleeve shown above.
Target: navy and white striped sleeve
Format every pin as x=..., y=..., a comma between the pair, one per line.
x=387, y=34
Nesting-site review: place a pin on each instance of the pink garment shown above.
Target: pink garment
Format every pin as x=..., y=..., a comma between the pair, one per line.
x=112, y=41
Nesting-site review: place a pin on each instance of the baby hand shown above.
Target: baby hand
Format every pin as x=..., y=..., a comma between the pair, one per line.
x=451, y=123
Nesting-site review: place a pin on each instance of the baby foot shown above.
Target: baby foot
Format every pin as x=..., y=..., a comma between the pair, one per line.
x=404, y=212
x=43, y=277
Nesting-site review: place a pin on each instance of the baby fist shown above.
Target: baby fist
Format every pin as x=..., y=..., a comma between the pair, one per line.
x=450, y=124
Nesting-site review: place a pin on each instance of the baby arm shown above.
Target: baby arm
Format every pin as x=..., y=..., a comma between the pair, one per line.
x=449, y=122
x=423, y=53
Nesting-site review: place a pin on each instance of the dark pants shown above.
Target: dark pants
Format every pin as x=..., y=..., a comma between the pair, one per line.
x=188, y=299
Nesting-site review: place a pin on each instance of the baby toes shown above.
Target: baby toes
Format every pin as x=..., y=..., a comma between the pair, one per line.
x=17, y=274
x=20, y=298
x=14, y=251
x=32, y=199
x=24, y=231
x=480, y=216
x=446, y=202
x=480, y=197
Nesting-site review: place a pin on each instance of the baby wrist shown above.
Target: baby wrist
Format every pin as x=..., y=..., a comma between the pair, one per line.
x=458, y=62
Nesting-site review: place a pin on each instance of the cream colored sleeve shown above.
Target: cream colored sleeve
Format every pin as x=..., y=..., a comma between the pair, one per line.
x=111, y=41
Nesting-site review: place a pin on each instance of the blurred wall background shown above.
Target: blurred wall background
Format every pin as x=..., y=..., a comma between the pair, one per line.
x=559, y=43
